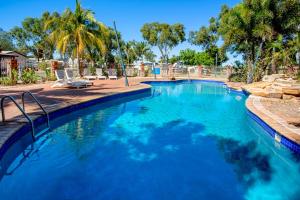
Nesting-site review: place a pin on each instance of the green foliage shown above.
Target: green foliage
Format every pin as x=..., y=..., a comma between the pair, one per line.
x=298, y=76
x=43, y=66
x=8, y=81
x=207, y=38
x=164, y=36
x=29, y=76
x=6, y=42
x=203, y=58
x=46, y=67
x=188, y=56
x=92, y=70
x=239, y=74
x=174, y=59
x=191, y=57
x=253, y=26
x=32, y=37
x=75, y=31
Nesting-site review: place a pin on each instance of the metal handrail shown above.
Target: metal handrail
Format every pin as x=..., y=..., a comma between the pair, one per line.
x=22, y=111
x=39, y=104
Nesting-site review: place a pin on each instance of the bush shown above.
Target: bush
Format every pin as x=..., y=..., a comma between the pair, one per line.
x=6, y=81
x=92, y=70
x=239, y=74
x=28, y=76
x=147, y=72
x=9, y=80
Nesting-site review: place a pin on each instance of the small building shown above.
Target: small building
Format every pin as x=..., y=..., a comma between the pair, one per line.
x=10, y=60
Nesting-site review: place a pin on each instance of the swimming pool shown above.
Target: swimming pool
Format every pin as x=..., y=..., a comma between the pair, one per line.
x=180, y=141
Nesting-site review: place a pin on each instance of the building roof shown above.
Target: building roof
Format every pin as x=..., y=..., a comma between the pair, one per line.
x=11, y=54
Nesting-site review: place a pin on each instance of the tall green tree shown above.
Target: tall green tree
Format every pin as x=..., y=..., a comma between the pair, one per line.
x=143, y=51
x=244, y=27
x=284, y=25
x=191, y=57
x=78, y=29
x=207, y=38
x=164, y=36
x=6, y=42
x=32, y=38
x=128, y=50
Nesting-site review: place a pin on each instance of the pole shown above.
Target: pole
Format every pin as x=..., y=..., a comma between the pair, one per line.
x=153, y=64
x=216, y=64
x=120, y=54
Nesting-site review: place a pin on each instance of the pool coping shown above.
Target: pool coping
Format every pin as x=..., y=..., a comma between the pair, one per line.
x=286, y=141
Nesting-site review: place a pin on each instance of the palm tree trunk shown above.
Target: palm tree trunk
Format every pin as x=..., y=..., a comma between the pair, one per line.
x=273, y=62
x=78, y=62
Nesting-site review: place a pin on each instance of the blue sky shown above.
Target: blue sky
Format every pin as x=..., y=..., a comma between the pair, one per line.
x=129, y=15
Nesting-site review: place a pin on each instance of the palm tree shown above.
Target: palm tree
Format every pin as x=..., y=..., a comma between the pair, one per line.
x=244, y=27
x=142, y=51
x=77, y=30
x=129, y=52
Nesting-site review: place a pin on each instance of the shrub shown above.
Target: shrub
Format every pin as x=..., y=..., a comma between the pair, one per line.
x=6, y=81
x=147, y=72
x=29, y=76
x=239, y=74
x=9, y=80
x=92, y=70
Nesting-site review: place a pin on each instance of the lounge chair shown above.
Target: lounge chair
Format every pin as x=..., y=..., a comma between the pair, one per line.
x=88, y=76
x=72, y=78
x=100, y=75
x=112, y=74
x=61, y=82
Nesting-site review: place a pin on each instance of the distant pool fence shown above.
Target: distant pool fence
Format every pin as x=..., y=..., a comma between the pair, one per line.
x=179, y=71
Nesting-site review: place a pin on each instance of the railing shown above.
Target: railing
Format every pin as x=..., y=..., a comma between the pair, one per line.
x=22, y=111
x=38, y=103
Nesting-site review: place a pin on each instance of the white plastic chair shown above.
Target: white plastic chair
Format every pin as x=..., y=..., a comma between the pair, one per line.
x=72, y=78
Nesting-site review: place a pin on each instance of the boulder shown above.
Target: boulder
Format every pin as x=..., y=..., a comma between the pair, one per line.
x=272, y=78
x=258, y=92
x=295, y=91
x=274, y=94
x=287, y=97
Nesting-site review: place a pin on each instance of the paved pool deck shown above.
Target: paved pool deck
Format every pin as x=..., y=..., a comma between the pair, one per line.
x=56, y=98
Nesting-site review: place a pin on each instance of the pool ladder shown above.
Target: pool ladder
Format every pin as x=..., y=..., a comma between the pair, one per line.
x=22, y=109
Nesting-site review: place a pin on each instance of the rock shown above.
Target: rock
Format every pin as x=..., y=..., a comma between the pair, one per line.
x=287, y=81
x=295, y=91
x=287, y=97
x=258, y=92
x=274, y=94
x=272, y=78
x=265, y=93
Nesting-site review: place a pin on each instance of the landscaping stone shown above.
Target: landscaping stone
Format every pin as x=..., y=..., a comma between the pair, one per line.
x=295, y=91
x=287, y=97
x=272, y=78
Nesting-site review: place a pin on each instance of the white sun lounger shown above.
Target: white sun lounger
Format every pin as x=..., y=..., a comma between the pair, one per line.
x=100, y=75
x=112, y=74
x=88, y=76
x=71, y=77
x=62, y=82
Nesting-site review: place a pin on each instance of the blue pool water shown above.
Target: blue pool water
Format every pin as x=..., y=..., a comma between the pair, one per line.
x=181, y=141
